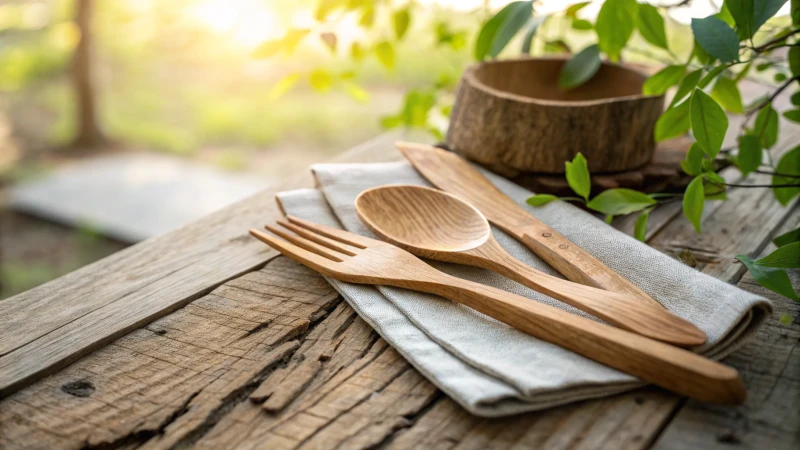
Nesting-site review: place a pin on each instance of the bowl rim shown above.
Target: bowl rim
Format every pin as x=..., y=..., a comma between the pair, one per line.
x=470, y=75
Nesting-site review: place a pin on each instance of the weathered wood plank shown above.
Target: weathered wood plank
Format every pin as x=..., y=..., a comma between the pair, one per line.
x=770, y=367
x=182, y=369
x=55, y=324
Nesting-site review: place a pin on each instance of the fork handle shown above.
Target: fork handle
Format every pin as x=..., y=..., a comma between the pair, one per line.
x=678, y=370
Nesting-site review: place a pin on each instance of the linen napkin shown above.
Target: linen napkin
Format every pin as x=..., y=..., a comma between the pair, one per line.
x=488, y=367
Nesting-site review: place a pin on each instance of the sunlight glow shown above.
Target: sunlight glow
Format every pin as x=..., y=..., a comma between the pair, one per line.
x=245, y=22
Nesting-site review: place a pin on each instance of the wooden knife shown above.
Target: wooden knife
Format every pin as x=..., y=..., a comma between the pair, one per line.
x=451, y=173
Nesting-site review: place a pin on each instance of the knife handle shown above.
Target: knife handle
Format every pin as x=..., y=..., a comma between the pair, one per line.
x=575, y=263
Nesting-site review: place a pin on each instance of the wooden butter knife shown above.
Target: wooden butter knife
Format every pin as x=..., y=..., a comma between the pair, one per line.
x=451, y=173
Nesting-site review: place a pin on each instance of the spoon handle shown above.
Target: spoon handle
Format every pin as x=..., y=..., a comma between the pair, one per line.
x=623, y=310
x=670, y=367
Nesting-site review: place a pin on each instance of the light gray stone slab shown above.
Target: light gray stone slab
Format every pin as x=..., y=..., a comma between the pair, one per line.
x=132, y=196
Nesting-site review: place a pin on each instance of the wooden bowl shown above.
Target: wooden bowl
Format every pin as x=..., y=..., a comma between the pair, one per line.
x=512, y=117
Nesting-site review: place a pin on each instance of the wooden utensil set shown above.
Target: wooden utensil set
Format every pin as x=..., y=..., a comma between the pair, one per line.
x=452, y=226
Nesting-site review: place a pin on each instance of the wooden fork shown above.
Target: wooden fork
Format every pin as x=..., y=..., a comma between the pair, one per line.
x=356, y=259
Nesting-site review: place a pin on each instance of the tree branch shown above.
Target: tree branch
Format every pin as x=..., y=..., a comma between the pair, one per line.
x=772, y=97
x=765, y=46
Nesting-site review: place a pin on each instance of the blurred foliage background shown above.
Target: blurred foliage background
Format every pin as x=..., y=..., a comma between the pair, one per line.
x=220, y=82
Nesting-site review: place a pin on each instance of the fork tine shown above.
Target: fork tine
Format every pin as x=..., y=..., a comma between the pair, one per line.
x=319, y=239
x=301, y=255
x=345, y=237
x=304, y=243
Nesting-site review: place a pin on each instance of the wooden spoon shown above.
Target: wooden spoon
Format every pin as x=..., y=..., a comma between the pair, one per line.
x=436, y=225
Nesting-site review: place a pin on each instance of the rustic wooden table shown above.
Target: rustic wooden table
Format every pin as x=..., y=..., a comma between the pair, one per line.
x=176, y=342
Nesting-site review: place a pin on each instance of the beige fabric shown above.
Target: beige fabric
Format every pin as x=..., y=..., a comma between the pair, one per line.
x=486, y=366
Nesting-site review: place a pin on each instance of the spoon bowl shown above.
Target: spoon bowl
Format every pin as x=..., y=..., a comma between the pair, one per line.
x=436, y=225
x=422, y=219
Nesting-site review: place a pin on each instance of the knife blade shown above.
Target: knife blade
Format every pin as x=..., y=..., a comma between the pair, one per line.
x=451, y=173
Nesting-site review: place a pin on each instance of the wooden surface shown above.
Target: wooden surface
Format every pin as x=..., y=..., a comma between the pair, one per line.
x=433, y=224
x=278, y=332
x=356, y=259
x=452, y=174
x=511, y=115
x=55, y=324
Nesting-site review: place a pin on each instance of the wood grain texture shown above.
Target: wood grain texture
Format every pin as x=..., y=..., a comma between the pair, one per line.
x=55, y=324
x=146, y=389
x=770, y=366
x=369, y=261
x=453, y=174
x=511, y=116
x=143, y=390
x=433, y=224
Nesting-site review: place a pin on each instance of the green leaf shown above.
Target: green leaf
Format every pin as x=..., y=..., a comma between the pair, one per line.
x=488, y=32
x=793, y=115
x=786, y=257
x=709, y=123
x=321, y=80
x=572, y=11
x=367, y=17
x=518, y=16
x=725, y=15
x=701, y=55
x=794, y=12
x=355, y=92
x=620, y=201
x=615, y=24
x=693, y=200
x=533, y=25
x=776, y=280
x=267, y=49
x=750, y=154
x=787, y=238
x=356, y=52
x=651, y=26
x=693, y=163
x=293, y=38
x=283, y=86
x=794, y=60
x=673, y=123
x=686, y=86
x=789, y=165
x=540, y=199
x=556, y=46
x=711, y=75
x=726, y=93
x=742, y=12
x=578, y=176
x=640, y=228
x=767, y=126
x=580, y=68
x=764, y=10
x=385, y=53
x=663, y=80
x=786, y=319
x=325, y=7
x=717, y=38
x=795, y=99
x=581, y=25
x=713, y=177
x=401, y=19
